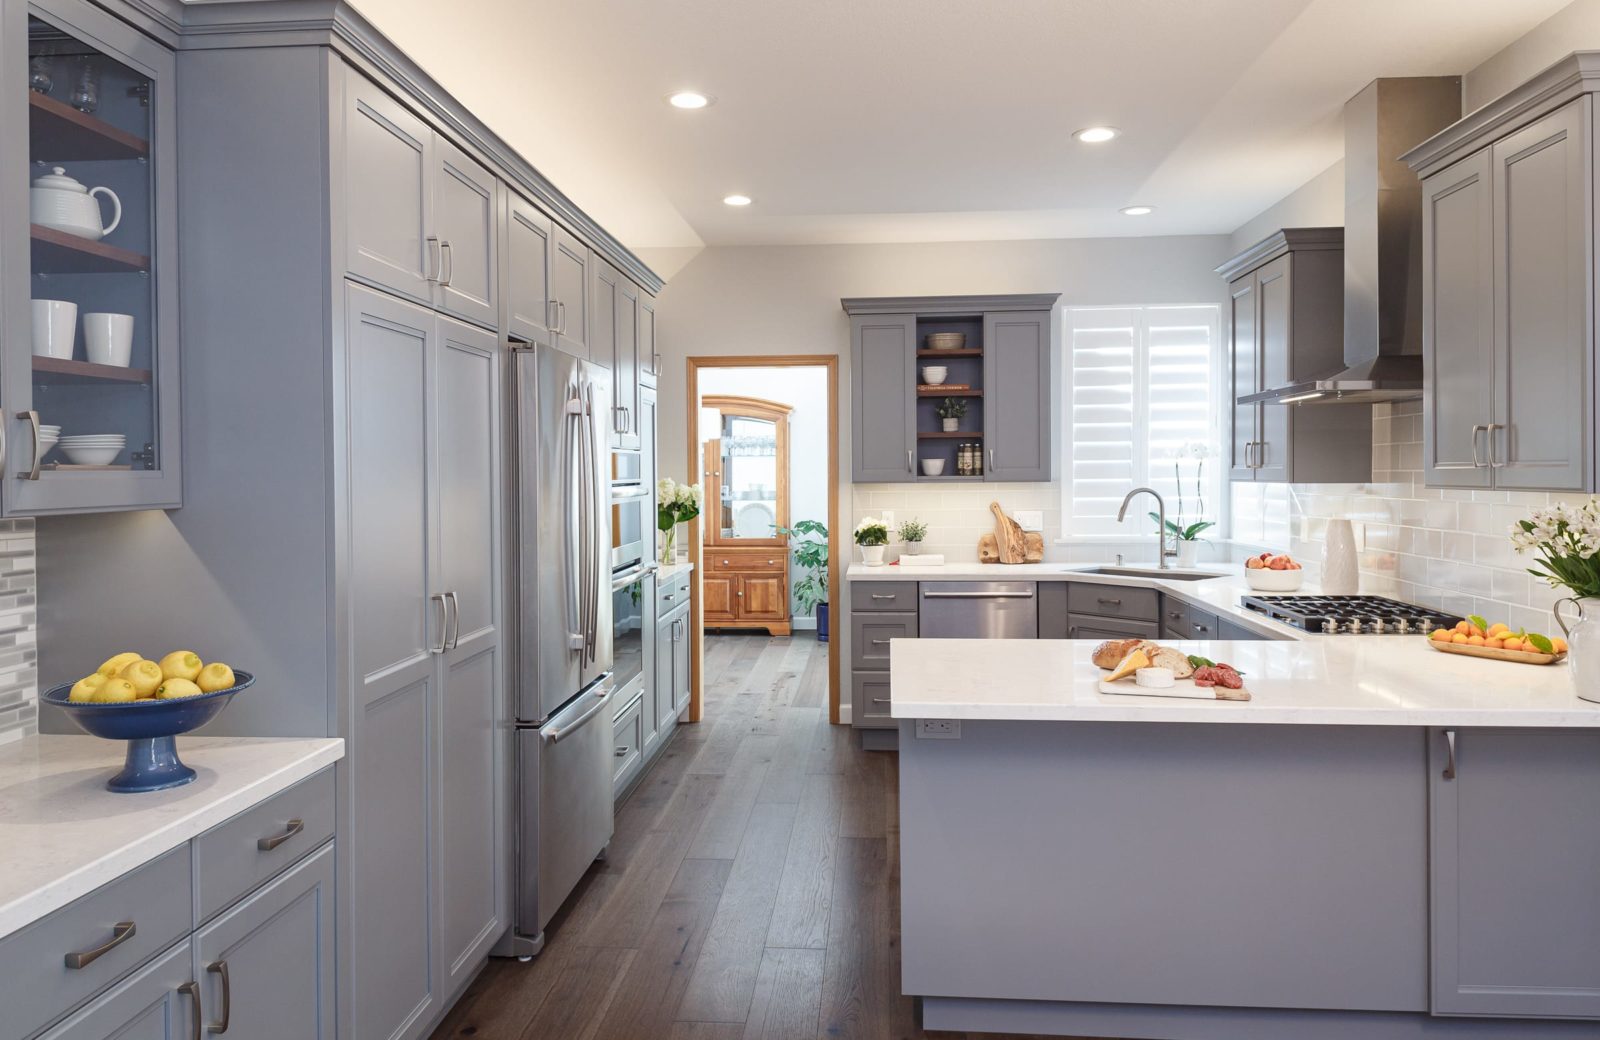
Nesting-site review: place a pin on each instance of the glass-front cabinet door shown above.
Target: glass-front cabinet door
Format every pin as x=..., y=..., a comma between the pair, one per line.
x=748, y=491
x=88, y=264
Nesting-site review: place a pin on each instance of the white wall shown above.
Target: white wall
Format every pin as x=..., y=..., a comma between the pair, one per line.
x=1575, y=27
x=1317, y=203
x=753, y=300
x=806, y=391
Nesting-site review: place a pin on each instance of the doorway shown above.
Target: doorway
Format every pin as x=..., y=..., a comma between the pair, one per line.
x=763, y=443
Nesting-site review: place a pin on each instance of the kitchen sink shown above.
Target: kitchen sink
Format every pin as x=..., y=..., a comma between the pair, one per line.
x=1152, y=572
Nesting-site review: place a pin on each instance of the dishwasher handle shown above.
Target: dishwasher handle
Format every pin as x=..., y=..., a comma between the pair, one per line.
x=977, y=595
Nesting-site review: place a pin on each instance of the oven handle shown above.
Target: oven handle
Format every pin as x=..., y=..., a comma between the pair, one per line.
x=631, y=575
x=623, y=491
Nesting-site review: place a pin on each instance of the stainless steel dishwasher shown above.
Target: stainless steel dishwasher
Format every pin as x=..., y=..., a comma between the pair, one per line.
x=978, y=610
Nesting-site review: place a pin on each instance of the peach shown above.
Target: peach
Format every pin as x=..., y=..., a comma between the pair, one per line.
x=1460, y=637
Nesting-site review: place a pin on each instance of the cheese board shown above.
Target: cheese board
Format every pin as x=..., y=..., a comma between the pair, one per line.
x=1496, y=654
x=1182, y=688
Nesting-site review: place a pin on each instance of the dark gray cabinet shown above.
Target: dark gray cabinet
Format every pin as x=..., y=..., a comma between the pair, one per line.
x=266, y=967
x=614, y=343
x=1004, y=374
x=1090, y=610
x=1286, y=312
x=158, y=1002
x=1514, y=934
x=466, y=217
x=883, y=375
x=526, y=258
x=879, y=612
x=1020, y=425
x=649, y=353
x=569, y=292
x=1509, y=289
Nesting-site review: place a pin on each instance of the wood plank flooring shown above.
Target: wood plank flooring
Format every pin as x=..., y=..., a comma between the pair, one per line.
x=751, y=891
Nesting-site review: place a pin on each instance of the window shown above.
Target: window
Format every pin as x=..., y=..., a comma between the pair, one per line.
x=1143, y=394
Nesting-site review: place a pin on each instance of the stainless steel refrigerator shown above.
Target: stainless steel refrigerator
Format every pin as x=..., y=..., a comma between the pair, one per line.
x=563, y=689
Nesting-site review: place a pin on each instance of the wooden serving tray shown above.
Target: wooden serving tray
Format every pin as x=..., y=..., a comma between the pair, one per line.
x=1183, y=688
x=1515, y=656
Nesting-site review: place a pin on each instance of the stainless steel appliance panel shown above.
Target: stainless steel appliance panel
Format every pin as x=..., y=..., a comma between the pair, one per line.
x=563, y=524
x=565, y=805
x=632, y=526
x=630, y=642
x=978, y=610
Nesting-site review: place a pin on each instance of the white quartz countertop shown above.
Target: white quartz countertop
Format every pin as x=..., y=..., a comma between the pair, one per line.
x=62, y=834
x=1319, y=680
x=672, y=570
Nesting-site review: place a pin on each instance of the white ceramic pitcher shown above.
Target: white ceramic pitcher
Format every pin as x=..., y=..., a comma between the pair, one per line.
x=1583, y=645
x=61, y=203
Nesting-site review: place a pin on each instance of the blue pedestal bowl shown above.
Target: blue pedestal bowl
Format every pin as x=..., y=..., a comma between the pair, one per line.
x=151, y=729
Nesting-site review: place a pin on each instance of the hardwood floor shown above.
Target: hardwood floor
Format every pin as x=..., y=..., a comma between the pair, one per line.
x=751, y=891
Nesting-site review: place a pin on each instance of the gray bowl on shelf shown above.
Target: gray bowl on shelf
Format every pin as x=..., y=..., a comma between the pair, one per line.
x=946, y=340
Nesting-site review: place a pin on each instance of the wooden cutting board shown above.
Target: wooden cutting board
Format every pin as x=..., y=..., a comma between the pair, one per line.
x=1009, y=543
x=1184, y=688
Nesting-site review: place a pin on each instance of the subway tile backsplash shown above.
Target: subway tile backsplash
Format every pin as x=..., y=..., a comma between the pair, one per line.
x=19, y=662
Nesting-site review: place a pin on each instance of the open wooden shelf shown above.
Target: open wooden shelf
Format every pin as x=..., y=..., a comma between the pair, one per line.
x=949, y=393
x=959, y=435
x=963, y=352
x=61, y=371
x=57, y=132
x=56, y=252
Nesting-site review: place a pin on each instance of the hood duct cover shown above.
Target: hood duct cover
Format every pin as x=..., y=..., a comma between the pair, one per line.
x=1382, y=244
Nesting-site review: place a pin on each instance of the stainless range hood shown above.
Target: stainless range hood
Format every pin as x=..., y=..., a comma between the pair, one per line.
x=1382, y=245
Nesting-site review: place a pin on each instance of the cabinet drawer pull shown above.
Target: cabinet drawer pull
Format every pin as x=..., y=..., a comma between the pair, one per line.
x=268, y=844
x=446, y=274
x=432, y=272
x=193, y=991
x=884, y=595
x=880, y=642
x=880, y=700
x=32, y=473
x=1201, y=628
x=1494, y=461
x=621, y=752
x=124, y=931
x=1104, y=602
x=220, y=1026
x=1450, y=763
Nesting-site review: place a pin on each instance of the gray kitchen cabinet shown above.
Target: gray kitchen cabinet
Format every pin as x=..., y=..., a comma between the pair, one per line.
x=1091, y=610
x=879, y=612
x=569, y=292
x=1543, y=419
x=388, y=188
x=613, y=342
x=466, y=223
x=1514, y=935
x=1203, y=624
x=1093, y=626
x=649, y=354
x=1231, y=630
x=1458, y=341
x=883, y=374
x=1020, y=424
x=627, y=731
x=682, y=687
x=128, y=146
x=266, y=967
x=1286, y=309
x=158, y=1002
x=660, y=689
x=529, y=242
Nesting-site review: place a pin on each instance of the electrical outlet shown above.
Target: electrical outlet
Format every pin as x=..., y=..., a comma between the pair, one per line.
x=1030, y=519
x=938, y=729
x=888, y=521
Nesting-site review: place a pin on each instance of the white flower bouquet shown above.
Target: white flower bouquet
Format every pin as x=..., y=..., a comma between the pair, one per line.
x=675, y=504
x=1566, y=539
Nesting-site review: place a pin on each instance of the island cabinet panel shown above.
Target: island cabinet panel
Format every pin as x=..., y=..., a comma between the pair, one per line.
x=1515, y=857
x=1148, y=863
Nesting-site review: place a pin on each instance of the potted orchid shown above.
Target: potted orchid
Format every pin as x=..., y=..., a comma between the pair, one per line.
x=1187, y=534
x=872, y=535
x=1566, y=540
x=675, y=504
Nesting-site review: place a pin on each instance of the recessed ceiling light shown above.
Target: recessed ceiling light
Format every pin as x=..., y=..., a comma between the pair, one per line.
x=1096, y=134
x=689, y=99
x=736, y=200
x=1137, y=211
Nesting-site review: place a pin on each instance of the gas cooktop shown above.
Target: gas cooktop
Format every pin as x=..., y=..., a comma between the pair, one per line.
x=1350, y=615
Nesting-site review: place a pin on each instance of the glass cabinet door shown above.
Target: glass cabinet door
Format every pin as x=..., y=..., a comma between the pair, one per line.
x=749, y=483
x=89, y=363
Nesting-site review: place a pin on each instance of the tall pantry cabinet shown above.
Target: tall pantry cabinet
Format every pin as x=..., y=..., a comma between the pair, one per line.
x=358, y=254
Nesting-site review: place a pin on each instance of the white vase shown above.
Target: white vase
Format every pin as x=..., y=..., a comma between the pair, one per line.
x=1188, y=551
x=872, y=555
x=951, y=425
x=1583, y=646
x=1341, y=568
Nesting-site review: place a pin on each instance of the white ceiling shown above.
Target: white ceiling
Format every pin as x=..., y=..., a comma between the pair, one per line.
x=931, y=120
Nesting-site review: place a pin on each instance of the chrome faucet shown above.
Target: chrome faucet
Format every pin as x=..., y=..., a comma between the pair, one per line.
x=1163, y=554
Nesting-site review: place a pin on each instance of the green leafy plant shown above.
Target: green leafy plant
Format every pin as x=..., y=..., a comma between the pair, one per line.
x=913, y=530
x=1191, y=533
x=952, y=408
x=872, y=531
x=809, y=541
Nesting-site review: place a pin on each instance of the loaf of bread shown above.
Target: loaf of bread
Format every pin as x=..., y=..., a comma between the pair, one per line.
x=1112, y=651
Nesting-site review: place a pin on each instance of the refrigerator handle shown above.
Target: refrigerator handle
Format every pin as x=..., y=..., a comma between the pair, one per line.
x=594, y=529
x=575, y=511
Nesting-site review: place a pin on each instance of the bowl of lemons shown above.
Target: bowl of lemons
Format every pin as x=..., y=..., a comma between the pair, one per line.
x=148, y=703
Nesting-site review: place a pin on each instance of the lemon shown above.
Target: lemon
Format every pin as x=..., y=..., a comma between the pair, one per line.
x=215, y=676
x=116, y=690
x=115, y=665
x=181, y=664
x=145, y=676
x=84, y=689
x=178, y=688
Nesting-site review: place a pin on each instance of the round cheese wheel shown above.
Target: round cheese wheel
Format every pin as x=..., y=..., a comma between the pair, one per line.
x=1155, y=678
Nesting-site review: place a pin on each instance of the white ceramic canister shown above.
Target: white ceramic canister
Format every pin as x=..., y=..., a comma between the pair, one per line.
x=1583, y=645
x=1341, y=567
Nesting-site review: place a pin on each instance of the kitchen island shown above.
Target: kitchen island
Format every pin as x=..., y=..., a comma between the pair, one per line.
x=1384, y=842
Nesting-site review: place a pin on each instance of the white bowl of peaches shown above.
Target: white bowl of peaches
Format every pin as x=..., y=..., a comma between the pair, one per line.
x=1273, y=572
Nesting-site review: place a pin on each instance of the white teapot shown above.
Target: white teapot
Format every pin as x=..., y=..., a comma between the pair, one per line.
x=61, y=203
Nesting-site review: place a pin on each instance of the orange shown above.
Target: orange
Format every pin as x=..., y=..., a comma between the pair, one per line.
x=1513, y=643
x=1441, y=634
x=1494, y=643
x=1476, y=640
x=1463, y=626
x=1499, y=628
x=1460, y=637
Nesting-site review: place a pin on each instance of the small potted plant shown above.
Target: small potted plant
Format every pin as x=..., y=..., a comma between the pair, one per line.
x=675, y=504
x=1188, y=535
x=810, y=541
x=951, y=410
x=1566, y=540
x=872, y=535
x=912, y=532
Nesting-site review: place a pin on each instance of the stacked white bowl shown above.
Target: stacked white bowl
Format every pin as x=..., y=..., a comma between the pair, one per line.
x=93, y=449
x=48, y=436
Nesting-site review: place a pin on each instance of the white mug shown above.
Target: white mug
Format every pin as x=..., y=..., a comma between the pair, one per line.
x=109, y=338
x=55, y=328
